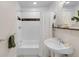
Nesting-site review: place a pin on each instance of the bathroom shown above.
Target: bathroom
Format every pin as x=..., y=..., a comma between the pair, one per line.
x=37, y=25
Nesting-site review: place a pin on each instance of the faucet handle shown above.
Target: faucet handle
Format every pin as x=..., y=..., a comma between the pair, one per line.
x=60, y=40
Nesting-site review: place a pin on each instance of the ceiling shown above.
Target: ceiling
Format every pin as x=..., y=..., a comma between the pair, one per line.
x=25, y=4
x=72, y=4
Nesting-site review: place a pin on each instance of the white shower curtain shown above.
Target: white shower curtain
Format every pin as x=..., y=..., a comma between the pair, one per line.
x=44, y=18
x=45, y=27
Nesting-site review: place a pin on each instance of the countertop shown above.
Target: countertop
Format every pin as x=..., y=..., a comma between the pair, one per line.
x=68, y=28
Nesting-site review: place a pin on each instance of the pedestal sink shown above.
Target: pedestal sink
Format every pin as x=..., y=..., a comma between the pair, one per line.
x=57, y=47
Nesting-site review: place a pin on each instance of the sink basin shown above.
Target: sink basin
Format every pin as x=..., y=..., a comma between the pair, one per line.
x=57, y=47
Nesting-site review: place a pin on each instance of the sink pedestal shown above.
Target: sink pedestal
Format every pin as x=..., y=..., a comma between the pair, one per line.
x=53, y=54
x=59, y=55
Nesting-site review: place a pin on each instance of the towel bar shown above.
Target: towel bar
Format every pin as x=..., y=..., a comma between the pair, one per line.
x=2, y=40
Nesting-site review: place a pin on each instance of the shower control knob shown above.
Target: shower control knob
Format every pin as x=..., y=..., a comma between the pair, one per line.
x=19, y=27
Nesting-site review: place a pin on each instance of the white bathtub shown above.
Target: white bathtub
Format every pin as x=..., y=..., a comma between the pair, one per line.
x=28, y=48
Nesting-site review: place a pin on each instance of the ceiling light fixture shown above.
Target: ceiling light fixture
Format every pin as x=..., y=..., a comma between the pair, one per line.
x=34, y=3
x=67, y=2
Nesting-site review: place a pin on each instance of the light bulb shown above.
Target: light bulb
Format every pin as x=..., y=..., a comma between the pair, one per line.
x=34, y=3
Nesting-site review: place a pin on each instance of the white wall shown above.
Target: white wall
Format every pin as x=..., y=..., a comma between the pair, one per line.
x=31, y=30
x=7, y=24
x=18, y=9
x=34, y=9
x=8, y=18
x=30, y=14
x=64, y=18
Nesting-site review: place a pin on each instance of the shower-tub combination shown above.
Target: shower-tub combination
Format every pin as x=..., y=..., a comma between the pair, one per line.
x=28, y=36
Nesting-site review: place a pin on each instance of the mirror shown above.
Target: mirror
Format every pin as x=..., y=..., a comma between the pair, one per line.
x=68, y=15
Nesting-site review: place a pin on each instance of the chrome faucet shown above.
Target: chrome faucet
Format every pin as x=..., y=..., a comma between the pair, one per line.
x=61, y=41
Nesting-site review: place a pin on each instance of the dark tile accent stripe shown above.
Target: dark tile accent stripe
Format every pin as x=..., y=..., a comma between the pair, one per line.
x=19, y=18
x=75, y=29
x=30, y=19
